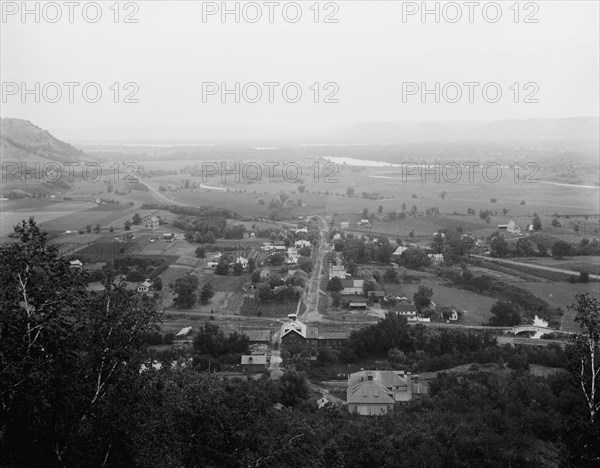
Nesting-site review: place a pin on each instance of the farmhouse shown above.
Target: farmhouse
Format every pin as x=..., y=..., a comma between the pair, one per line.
x=75, y=264
x=406, y=310
x=293, y=332
x=364, y=222
x=144, y=287
x=184, y=335
x=337, y=271
x=302, y=243
x=152, y=222
x=511, y=227
x=352, y=286
x=254, y=363
x=344, y=225
x=337, y=236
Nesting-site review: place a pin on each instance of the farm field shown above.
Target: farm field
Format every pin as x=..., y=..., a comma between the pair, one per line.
x=476, y=306
x=44, y=212
x=591, y=264
x=560, y=294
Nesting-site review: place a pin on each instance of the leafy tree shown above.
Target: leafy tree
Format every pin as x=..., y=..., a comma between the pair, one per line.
x=305, y=264
x=584, y=277
x=206, y=293
x=334, y=285
x=555, y=223
x=97, y=229
x=336, y=299
x=251, y=265
x=111, y=229
x=238, y=268
x=276, y=259
x=127, y=226
x=350, y=192
x=200, y=252
x=137, y=219
x=185, y=290
x=294, y=388
x=305, y=251
x=422, y=298
x=88, y=228
x=560, y=249
x=504, y=315
x=222, y=267
x=255, y=276
x=536, y=222
x=499, y=247
x=157, y=283
x=391, y=275
x=352, y=268
x=70, y=358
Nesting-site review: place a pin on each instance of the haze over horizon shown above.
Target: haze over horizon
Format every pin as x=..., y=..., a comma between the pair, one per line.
x=367, y=55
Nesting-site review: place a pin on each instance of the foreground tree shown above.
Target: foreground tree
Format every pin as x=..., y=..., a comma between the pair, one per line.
x=585, y=351
x=70, y=358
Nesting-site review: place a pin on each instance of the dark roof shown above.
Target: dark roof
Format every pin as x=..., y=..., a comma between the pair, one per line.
x=403, y=307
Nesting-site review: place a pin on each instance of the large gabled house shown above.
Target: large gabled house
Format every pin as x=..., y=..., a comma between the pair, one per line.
x=373, y=392
x=152, y=222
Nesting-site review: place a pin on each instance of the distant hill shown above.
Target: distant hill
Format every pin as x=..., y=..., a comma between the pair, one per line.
x=569, y=129
x=22, y=141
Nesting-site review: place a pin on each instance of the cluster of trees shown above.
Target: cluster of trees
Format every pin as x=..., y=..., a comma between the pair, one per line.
x=72, y=392
x=185, y=288
x=523, y=247
x=355, y=250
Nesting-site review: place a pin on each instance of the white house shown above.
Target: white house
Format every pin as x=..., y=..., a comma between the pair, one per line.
x=337, y=236
x=152, y=222
x=75, y=264
x=302, y=243
x=144, y=287
x=243, y=261
x=436, y=259
x=345, y=224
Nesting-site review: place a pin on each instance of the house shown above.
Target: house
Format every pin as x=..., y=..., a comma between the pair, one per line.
x=400, y=250
x=167, y=236
x=302, y=243
x=337, y=271
x=332, y=339
x=144, y=287
x=405, y=309
x=511, y=227
x=375, y=392
x=360, y=302
x=321, y=402
x=366, y=396
x=75, y=264
x=352, y=286
x=179, y=236
x=376, y=296
x=152, y=222
x=364, y=222
x=292, y=252
x=184, y=334
x=436, y=259
x=337, y=236
x=344, y=225
x=243, y=261
x=254, y=363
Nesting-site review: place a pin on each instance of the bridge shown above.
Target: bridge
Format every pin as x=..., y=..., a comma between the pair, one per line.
x=530, y=328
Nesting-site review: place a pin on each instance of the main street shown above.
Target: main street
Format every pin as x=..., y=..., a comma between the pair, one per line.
x=310, y=297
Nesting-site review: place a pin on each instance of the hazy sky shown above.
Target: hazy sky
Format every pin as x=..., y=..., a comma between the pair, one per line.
x=369, y=53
